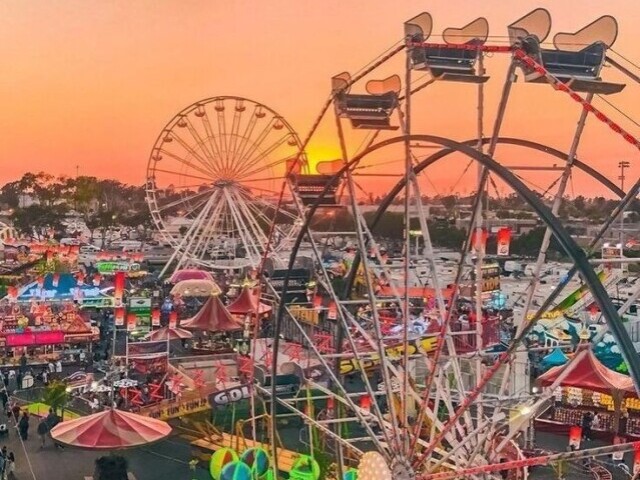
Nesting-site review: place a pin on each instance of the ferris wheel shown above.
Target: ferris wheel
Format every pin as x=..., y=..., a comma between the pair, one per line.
x=213, y=181
x=411, y=366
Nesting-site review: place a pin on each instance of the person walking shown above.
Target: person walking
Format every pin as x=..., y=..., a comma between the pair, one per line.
x=43, y=430
x=9, y=466
x=4, y=398
x=23, y=426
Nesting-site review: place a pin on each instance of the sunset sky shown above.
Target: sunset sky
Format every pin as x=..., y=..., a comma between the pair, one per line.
x=92, y=83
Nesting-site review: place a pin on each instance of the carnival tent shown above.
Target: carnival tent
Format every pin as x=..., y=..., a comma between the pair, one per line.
x=588, y=373
x=212, y=317
x=195, y=288
x=190, y=274
x=248, y=302
x=110, y=430
x=167, y=333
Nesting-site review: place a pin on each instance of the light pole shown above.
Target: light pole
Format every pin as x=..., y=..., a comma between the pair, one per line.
x=623, y=164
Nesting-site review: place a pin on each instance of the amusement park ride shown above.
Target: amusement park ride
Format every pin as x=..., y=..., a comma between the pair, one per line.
x=430, y=404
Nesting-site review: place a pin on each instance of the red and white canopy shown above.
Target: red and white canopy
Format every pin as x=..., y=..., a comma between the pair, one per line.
x=110, y=430
x=212, y=317
x=248, y=302
x=168, y=333
x=190, y=274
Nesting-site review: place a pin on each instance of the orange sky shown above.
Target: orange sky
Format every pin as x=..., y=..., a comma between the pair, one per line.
x=91, y=83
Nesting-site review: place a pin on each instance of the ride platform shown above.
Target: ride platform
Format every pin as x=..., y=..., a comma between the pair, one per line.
x=286, y=458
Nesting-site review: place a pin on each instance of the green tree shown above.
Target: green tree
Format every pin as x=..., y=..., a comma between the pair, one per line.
x=39, y=217
x=56, y=396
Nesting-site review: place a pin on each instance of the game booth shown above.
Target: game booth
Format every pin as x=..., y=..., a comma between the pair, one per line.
x=586, y=385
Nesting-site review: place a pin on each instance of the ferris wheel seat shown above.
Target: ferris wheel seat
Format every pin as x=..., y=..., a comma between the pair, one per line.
x=368, y=111
x=310, y=188
x=579, y=69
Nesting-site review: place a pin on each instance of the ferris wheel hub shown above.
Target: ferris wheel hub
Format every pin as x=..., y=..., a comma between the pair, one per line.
x=222, y=183
x=401, y=469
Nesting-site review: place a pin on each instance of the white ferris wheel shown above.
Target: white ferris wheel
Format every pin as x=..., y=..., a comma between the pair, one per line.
x=213, y=182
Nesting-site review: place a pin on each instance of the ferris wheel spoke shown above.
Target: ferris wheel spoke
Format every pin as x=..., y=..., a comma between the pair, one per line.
x=264, y=154
x=270, y=206
x=345, y=318
x=261, y=189
x=203, y=168
x=209, y=156
x=248, y=131
x=209, y=177
x=266, y=179
x=254, y=231
x=222, y=132
x=243, y=231
x=211, y=138
x=186, y=241
x=207, y=232
x=235, y=127
x=184, y=200
x=255, y=144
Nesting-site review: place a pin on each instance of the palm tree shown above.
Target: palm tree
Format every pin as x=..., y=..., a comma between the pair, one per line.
x=56, y=396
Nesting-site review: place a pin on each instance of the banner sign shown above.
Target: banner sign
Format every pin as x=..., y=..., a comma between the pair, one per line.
x=111, y=268
x=230, y=395
x=145, y=349
x=53, y=337
x=422, y=345
x=151, y=364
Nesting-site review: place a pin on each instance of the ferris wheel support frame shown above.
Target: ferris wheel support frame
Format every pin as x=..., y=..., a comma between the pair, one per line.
x=566, y=241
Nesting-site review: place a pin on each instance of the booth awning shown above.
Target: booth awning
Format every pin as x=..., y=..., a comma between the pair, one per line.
x=588, y=373
x=168, y=333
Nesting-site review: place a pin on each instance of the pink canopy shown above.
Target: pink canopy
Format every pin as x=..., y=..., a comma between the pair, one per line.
x=248, y=302
x=110, y=430
x=168, y=333
x=588, y=373
x=212, y=317
x=190, y=274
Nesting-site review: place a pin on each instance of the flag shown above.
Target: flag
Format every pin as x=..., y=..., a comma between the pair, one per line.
x=173, y=319
x=333, y=311
x=119, y=316
x=131, y=321
x=575, y=436
x=503, y=241
x=155, y=317
x=479, y=241
x=118, y=287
